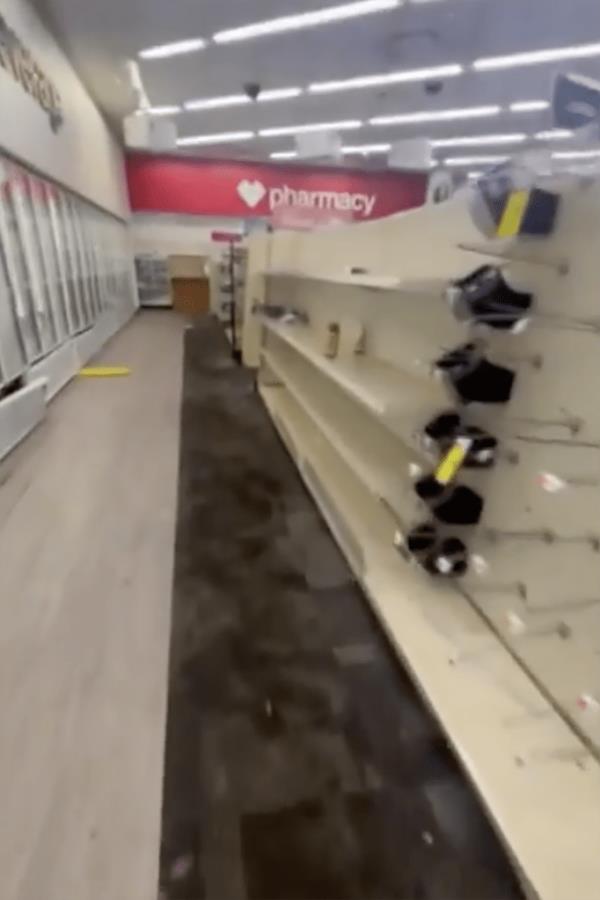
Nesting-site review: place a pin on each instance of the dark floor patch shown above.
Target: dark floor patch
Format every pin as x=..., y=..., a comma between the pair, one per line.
x=300, y=762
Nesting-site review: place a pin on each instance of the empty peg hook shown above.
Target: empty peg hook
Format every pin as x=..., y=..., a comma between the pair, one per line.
x=576, y=755
x=514, y=588
x=572, y=423
x=494, y=535
x=592, y=539
x=561, y=266
x=520, y=629
x=562, y=606
x=535, y=360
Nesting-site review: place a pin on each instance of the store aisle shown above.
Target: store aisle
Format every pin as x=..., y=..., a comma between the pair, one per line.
x=300, y=762
x=87, y=511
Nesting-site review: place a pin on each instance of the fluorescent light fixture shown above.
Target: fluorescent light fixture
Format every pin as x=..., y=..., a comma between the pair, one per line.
x=367, y=81
x=347, y=125
x=242, y=99
x=284, y=154
x=556, y=134
x=473, y=176
x=366, y=148
x=177, y=49
x=226, y=137
x=525, y=106
x=480, y=140
x=444, y=115
x=475, y=160
x=577, y=154
x=279, y=94
x=159, y=111
x=217, y=102
x=305, y=20
x=537, y=57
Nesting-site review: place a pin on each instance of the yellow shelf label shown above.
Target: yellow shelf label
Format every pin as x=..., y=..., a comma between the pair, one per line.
x=452, y=462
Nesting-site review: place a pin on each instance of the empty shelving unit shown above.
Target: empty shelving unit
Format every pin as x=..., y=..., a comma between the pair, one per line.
x=508, y=657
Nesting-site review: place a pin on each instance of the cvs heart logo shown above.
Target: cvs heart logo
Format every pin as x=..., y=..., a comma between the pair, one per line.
x=251, y=192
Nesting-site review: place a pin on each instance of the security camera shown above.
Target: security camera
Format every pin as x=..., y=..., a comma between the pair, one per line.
x=252, y=89
x=434, y=87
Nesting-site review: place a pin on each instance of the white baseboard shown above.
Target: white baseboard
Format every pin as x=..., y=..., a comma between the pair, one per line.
x=58, y=368
x=20, y=413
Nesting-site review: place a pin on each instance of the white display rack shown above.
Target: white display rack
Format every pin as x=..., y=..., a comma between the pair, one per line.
x=509, y=657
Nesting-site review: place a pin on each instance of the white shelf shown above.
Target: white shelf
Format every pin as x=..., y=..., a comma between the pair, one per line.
x=425, y=286
x=541, y=788
x=377, y=458
x=399, y=400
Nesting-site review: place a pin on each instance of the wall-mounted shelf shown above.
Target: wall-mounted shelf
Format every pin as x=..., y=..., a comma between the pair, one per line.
x=399, y=400
x=532, y=772
x=508, y=658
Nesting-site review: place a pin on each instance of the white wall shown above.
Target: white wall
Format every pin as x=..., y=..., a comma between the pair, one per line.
x=168, y=235
x=83, y=155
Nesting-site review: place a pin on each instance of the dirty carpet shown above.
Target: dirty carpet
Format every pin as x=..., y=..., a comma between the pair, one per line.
x=300, y=762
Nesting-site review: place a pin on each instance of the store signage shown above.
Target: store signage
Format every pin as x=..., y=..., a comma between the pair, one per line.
x=316, y=194
x=253, y=192
x=20, y=64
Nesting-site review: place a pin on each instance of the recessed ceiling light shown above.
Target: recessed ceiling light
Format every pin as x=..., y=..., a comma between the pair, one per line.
x=347, y=125
x=537, y=57
x=366, y=148
x=367, y=81
x=305, y=20
x=159, y=111
x=176, y=49
x=445, y=115
x=525, y=106
x=284, y=154
x=556, y=134
x=225, y=137
x=475, y=160
x=480, y=140
x=577, y=154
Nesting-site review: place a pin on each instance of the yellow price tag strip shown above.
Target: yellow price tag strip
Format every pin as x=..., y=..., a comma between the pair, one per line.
x=453, y=461
x=104, y=372
x=514, y=211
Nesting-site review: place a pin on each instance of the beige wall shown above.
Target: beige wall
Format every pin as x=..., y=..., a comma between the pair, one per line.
x=83, y=155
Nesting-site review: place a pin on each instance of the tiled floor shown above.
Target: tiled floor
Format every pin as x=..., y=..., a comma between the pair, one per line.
x=300, y=762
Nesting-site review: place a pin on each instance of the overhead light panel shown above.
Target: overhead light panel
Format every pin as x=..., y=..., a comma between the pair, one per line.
x=192, y=45
x=475, y=160
x=366, y=149
x=270, y=96
x=159, y=111
x=305, y=20
x=284, y=154
x=537, y=57
x=367, y=81
x=217, y=102
x=556, y=134
x=346, y=125
x=279, y=94
x=577, y=154
x=445, y=115
x=525, y=106
x=226, y=137
x=480, y=141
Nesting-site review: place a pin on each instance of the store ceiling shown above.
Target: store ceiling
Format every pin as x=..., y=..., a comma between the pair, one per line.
x=101, y=36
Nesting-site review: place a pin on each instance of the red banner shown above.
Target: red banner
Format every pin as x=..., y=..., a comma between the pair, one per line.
x=247, y=190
